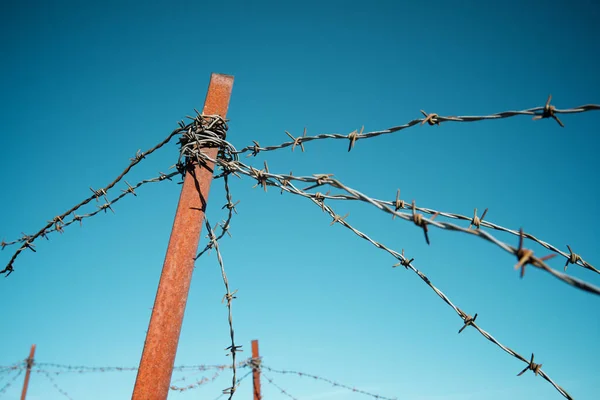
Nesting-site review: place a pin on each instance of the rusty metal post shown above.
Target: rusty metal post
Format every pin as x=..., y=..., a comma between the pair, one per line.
x=256, y=371
x=156, y=365
x=29, y=365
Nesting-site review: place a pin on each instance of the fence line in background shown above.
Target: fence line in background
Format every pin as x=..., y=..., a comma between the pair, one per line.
x=250, y=364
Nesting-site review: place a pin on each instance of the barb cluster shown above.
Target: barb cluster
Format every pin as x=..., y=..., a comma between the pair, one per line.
x=206, y=131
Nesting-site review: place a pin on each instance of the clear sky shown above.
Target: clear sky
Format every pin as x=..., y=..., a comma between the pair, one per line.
x=84, y=85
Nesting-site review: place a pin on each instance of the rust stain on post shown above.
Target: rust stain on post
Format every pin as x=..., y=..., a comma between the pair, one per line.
x=29, y=365
x=256, y=372
x=156, y=366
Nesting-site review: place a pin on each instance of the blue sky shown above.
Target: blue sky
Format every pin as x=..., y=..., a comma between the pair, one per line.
x=84, y=85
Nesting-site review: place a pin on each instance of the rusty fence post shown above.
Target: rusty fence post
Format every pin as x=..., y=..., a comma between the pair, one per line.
x=256, y=371
x=29, y=365
x=156, y=365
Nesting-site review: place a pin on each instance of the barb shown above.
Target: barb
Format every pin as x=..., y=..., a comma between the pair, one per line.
x=398, y=204
x=282, y=390
x=546, y=111
x=207, y=131
x=225, y=225
x=229, y=296
x=237, y=384
x=333, y=383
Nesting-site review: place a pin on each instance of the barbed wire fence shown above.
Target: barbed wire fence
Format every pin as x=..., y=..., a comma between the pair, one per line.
x=209, y=131
x=51, y=371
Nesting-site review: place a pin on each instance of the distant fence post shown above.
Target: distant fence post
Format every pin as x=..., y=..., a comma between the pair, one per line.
x=256, y=370
x=156, y=365
x=29, y=365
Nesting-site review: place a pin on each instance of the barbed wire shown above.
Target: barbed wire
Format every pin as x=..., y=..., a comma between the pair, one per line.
x=58, y=388
x=56, y=369
x=191, y=143
x=58, y=223
x=46, y=370
x=329, y=381
x=201, y=124
x=237, y=384
x=468, y=320
x=224, y=225
x=211, y=133
x=546, y=111
x=251, y=364
x=475, y=221
x=264, y=178
x=209, y=125
x=5, y=369
x=8, y=384
x=194, y=385
x=49, y=369
x=282, y=390
x=229, y=297
x=525, y=257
